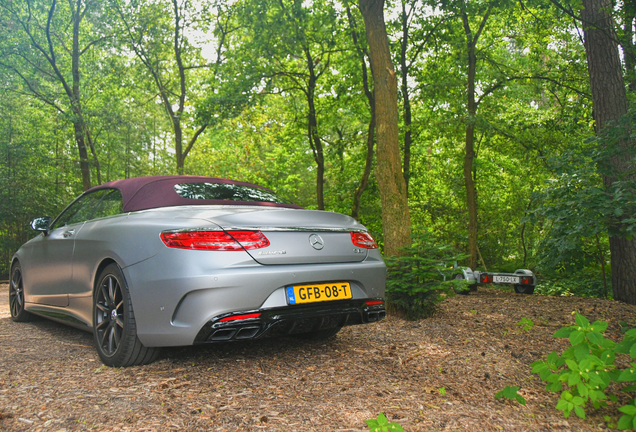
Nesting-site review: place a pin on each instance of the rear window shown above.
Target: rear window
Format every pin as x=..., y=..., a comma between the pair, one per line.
x=226, y=191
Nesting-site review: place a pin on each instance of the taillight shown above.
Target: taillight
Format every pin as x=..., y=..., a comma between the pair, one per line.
x=526, y=280
x=486, y=279
x=215, y=240
x=363, y=240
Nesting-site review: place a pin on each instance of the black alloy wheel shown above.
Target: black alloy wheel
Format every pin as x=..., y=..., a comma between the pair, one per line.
x=109, y=315
x=16, y=296
x=114, y=324
x=524, y=289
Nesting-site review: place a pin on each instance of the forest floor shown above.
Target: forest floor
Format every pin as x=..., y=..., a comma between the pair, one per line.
x=439, y=373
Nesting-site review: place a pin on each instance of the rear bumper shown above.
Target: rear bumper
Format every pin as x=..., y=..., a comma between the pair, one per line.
x=289, y=320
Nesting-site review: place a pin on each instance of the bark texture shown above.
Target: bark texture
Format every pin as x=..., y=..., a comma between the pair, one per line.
x=609, y=98
x=396, y=221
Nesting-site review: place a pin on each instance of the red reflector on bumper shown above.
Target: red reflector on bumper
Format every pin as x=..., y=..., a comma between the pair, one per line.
x=241, y=317
x=374, y=302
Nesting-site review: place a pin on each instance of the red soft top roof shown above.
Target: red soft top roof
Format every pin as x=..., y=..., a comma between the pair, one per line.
x=142, y=193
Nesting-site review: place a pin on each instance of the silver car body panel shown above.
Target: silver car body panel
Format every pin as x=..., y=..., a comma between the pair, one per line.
x=175, y=292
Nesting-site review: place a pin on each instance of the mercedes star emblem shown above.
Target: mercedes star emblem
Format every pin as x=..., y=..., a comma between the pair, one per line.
x=316, y=242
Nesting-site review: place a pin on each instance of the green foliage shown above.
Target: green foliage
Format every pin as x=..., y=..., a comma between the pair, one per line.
x=420, y=278
x=511, y=392
x=526, y=324
x=381, y=424
x=584, y=371
x=587, y=282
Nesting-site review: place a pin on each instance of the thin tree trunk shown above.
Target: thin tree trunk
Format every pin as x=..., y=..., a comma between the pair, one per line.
x=357, y=196
x=609, y=98
x=314, y=138
x=396, y=221
x=469, y=155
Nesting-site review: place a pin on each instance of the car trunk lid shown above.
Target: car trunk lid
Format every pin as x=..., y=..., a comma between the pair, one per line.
x=298, y=236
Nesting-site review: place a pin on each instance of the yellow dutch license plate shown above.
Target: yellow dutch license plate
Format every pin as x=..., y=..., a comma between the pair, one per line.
x=318, y=292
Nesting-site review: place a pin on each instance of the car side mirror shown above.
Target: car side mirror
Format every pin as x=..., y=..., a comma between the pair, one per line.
x=41, y=223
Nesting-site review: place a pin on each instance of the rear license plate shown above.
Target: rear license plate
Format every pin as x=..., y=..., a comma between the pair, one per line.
x=506, y=279
x=318, y=293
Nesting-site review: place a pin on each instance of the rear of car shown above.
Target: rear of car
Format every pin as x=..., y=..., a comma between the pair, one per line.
x=243, y=273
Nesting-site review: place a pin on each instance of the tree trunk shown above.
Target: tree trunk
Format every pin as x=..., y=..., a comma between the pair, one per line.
x=469, y=155
x=609, y=99
x=396, y=221
x=314, y=138
x=406, y=101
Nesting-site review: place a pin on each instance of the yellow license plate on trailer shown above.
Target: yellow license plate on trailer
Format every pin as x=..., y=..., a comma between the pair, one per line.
x=298, y=294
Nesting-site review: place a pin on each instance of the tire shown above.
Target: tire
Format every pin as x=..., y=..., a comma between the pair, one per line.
x=16, y=296
x=524, y=289
x=114, y=325
x=319, y=335
x=459, y=276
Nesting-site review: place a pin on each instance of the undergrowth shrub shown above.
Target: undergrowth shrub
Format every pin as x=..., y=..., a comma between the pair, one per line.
x=421, y=277
x=583, y=372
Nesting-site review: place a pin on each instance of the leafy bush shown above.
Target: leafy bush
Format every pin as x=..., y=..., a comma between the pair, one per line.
x=421, y=277
x=585, y=370
x=381, y=424
x=585, y=282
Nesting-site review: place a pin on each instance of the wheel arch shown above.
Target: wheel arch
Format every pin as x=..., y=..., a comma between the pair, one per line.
x=100, y=268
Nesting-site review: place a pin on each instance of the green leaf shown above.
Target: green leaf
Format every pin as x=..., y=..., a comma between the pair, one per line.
x=577, y=400
x=618, y=212
x=625, y=422
x=562, y=333
x=595, y=337
x=372, y=423
x=510, y=391
x=520, y=399
x=394, y=427
x=581, y=321
x=574, y=379
x=629, y=388
x=579, y=412
x=632, y=351
x=561, y=404
x=574, y=366
x=627, y=375
x=599, y=326
x=628, y=409
x=576, y=337
x=382, y=420
x=582, y=389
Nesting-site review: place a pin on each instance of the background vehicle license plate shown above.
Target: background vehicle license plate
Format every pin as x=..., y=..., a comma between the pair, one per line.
x=506, y=279
x=318, y=293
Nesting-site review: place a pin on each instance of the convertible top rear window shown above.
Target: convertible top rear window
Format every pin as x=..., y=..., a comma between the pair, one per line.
x=226, y=191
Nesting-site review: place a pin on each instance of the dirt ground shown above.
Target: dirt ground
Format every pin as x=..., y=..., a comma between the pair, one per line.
x=435, y=374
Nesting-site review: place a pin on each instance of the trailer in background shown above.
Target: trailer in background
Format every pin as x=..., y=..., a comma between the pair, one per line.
x=522, y=280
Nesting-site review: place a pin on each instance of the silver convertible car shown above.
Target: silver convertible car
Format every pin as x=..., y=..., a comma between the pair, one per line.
x=162, y=261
